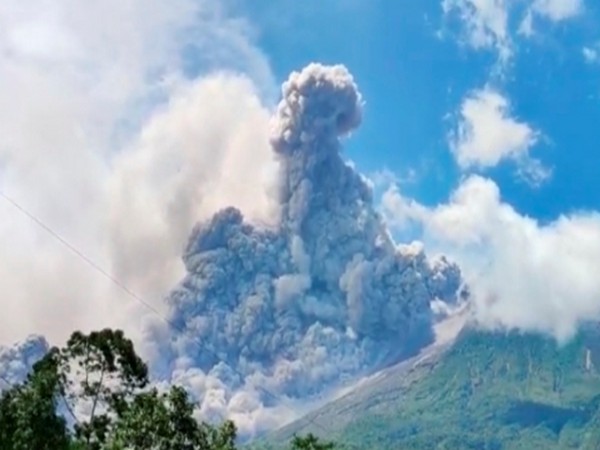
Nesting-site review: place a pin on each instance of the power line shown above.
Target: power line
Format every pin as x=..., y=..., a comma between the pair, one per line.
x=129, y=292
x=81, y=255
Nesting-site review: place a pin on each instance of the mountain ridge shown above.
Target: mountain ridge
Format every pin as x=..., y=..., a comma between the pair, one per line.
x=485, y=390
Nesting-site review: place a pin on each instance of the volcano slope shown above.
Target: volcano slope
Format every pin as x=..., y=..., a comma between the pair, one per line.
x=486, y=391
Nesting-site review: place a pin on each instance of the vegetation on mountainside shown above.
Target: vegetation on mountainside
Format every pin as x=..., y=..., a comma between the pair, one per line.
x=101, y=375
x=490, y=391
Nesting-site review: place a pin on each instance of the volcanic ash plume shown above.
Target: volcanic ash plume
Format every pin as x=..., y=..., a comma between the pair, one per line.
x=325, y=296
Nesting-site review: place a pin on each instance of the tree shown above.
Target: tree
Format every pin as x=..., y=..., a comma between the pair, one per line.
x=99, y=373
x=28, y=418
x=101, y=384
x=310, y=442
x=100, y=387
x=165, y=422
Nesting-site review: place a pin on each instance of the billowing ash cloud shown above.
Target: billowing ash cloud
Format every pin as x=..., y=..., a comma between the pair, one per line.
x=323, y=296
x=16, y=361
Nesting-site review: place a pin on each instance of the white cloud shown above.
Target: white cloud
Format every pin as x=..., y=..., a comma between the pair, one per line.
x=557, y=10
x=486, y=135
x=98, y=130
x=399, y=211
x=486, y=23
x=522, y=274
x=552, y=10
x=205, y=150
x=533, y=172
x=526, y=25
x=591, y=54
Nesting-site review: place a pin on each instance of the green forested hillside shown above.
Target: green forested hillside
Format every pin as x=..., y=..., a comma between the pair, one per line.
x=488, y=391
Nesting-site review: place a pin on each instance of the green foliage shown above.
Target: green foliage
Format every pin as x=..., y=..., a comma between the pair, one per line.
x=27, y=413
x=310, y=442
x=306, y=442
x=165, y=422
x=103, y=371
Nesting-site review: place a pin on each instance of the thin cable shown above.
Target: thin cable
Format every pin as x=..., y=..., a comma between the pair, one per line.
x=81, y=255
x=129, y=292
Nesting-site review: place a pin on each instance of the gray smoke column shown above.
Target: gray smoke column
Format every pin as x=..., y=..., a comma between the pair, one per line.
x=323, y=297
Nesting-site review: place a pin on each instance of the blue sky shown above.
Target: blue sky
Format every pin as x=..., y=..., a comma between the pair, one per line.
x=414, y=67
